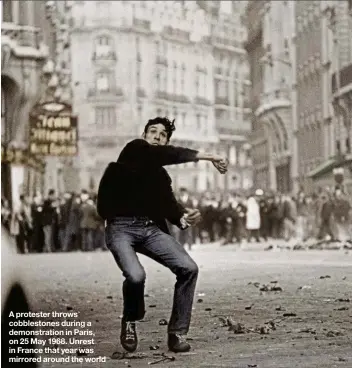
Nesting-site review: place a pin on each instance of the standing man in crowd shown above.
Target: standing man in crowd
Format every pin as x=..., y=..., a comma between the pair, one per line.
x=135, y=197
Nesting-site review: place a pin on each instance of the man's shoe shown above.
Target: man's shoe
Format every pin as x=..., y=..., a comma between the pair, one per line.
x=128, y=338
x=177, y=343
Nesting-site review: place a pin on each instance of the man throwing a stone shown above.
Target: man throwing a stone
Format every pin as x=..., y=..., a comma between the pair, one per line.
x=135, y=198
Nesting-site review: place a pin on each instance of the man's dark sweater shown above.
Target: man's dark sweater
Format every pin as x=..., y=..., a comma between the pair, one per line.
x=138, y=185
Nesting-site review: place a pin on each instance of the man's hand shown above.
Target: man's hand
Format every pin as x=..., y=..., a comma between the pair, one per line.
x=193, y=216
x=220, y=164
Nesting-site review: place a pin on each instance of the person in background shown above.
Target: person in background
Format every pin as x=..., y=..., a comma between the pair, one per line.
x=5, y=213
x=264, y=214
x=185, y=236
x=37, y=216
x=65, y=209
x=289, y=217
x=302, y=217
x=90, y=221
x=326, y=217
x=50, y=220
x=253, y=219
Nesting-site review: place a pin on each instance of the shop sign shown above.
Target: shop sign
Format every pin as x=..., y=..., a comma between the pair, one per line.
x=53, y=131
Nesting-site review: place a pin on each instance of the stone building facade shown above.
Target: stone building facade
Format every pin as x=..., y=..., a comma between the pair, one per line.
x=24, y=51
x=231, y=93
x=341, y=87
x=135, y=60
x=255, y=50
x=296, y=50
x=33, y=70
x=313, y=104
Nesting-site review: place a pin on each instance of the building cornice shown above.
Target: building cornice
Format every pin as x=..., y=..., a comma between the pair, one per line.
x=275, y=104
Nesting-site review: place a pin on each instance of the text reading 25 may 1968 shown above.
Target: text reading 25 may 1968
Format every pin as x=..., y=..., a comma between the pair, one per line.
x=51, y=337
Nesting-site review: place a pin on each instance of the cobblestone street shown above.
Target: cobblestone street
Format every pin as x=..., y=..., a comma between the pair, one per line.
x=310, y=317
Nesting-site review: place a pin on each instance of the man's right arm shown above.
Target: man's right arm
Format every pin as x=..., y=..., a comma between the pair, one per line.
x=141, y=151
x=147, y=154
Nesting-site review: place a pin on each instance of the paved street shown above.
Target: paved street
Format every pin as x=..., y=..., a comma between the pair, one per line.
x=311, y=316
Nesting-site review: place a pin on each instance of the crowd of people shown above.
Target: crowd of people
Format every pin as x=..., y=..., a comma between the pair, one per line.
x=70, y=222
x=263, y=216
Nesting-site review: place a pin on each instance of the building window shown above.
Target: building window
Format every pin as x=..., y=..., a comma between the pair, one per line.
x=174, y=78
x=164, y=78
x=7, y=12
x=104, y=48
x=221, y=88
x=198, y=122
x=138, y=74
x=233, y=155
x=158, y=48
x=105, y=116
x=139, y=112
x=158, y=79
x=3, y=115
x=197, y=84
x=235, y=94
x=184, y=117
x=104, y=81
x=205, y=77
x=183, y=78
x=139, y=63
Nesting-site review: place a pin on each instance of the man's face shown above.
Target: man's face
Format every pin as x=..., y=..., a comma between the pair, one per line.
x=156, y=135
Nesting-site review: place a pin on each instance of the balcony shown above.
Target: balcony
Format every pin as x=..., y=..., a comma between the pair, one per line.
x=345, y=82
x=23, y=35
x=279, y=94
x=229, y=127
x=176, y=33
x=201, y=70
x=202, y=101
x=142, y=24
x=94, y=93
x=24, y=41
x=162, y=95
x=222, y=101
x=226, y=42
x=106, y=57
x=274, y=99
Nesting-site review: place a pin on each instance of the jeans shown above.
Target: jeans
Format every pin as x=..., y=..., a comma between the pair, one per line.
x=126, y=236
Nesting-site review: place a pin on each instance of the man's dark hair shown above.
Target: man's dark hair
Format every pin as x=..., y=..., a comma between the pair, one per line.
x=168, y=124
x=51, y=192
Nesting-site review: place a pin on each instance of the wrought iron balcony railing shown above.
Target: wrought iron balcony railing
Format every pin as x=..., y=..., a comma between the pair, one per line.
x=26, y=36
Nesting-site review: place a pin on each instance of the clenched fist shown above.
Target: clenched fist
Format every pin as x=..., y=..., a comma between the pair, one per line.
x=193, y=216
x=221, y=164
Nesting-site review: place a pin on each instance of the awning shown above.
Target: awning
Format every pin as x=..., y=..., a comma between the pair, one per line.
x=329, y=165
x=323, y=168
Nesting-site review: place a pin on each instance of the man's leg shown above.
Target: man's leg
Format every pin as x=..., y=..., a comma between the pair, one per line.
x=121, y=244
x=164, y=249
x=48, y=238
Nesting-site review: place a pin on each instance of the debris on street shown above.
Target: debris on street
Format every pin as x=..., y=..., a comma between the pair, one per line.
x=163, y=322
x=162, y=358
x=118, y=355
